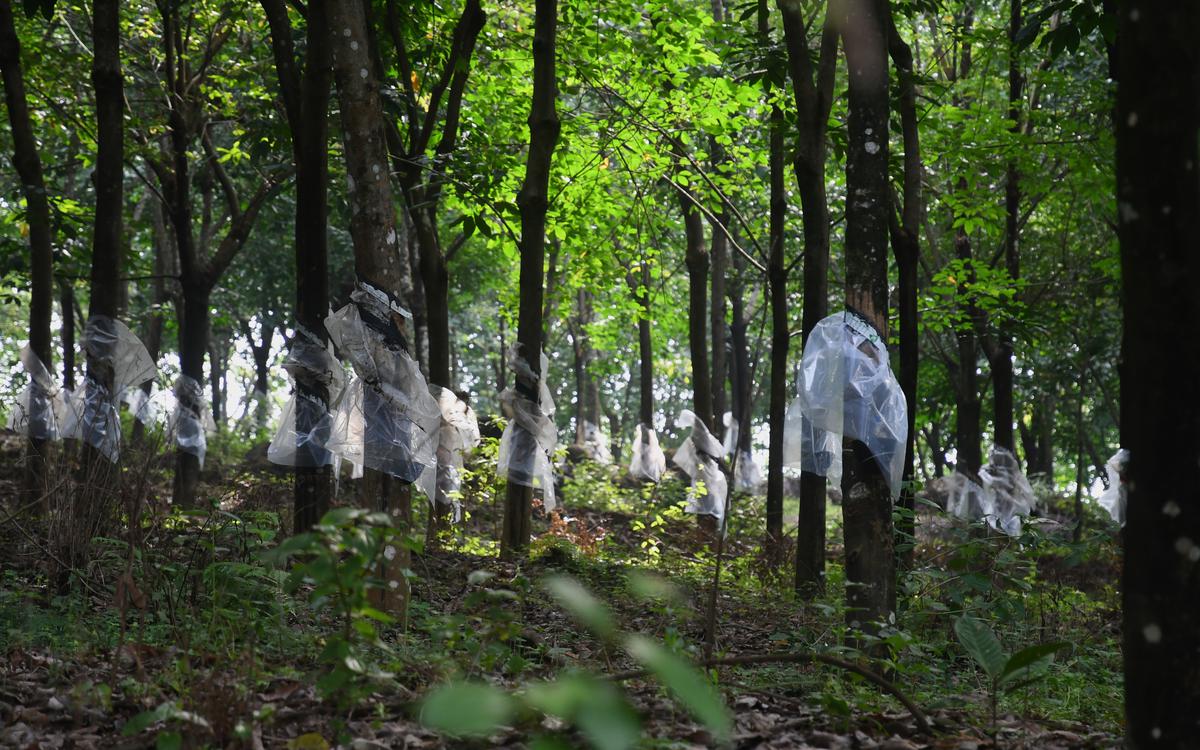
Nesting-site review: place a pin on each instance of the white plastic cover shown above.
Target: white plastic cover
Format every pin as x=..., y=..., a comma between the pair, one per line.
x=91, y=414
x=191, y=417
x=143, y=406
x=1114, y=498
x=1001, y=497
x=38, y=409
x=528, y=440
x=458, y=433
x=648, y=462
x=307, y=362
x=698, y=457
x=386, y=419
x=747, y=475
x=595, y=444
x=847, y=389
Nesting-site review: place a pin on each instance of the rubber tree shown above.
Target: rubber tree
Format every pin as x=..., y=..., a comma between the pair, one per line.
x=372, y=226
x=905, y=232
x=422, y=179
x=533, y=202
x=185, y=82
x=28, y=164
x=866, y=497
x=812, y=89
x=1158, y=210
x=304, y=86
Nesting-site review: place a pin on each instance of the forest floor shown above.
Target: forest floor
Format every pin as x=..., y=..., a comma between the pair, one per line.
x=195, y=640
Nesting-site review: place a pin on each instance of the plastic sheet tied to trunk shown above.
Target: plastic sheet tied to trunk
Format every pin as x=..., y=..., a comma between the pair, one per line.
x=1001, y=497
x=1114, y=498
x=699, y=458
x=529, y=439
x=306, y=425
x=39, y=409
x=92, y=414
x=847, y=390
x=457, y=434
x=386, y=419
x=189, y=420
x=648, y=462
x=595, y=444
x=747, y=476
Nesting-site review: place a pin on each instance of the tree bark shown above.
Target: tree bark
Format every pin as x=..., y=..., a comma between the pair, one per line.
x=645, y=351
x=372, y=229
x=696, y=259
x=905, y=236
x=533, y=201
x=28, y=164
x=867, y=501
x=813, y=92
x=1158, y=201
x=306, y=104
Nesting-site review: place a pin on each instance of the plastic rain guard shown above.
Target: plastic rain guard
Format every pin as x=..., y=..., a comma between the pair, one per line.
x=698, y=458
x=648, y=462
x=529, y=439
x=307, y=362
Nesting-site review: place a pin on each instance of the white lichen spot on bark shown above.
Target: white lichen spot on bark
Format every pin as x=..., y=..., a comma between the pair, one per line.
x=1171, y=509
x=872, y=147
x=1152, y=633
x=1131, y=120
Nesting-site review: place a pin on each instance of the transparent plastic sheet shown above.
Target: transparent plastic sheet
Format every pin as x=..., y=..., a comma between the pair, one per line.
x=111, y=342
x=38, y=409
x=1114, y=498
x=143, y=406
x=1011, y=492
x=189, y=421
x=595, y=444
x=810, y=449
x=698, y=458
x=648, y=462
x=312, y=363
x=386, y=419
x=847, y=389
x=458, y=433
x=1001, y=497
x=529, y=439
x=746, y=474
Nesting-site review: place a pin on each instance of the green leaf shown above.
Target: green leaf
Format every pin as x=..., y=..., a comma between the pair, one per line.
x=981, y=643
x=146, y=718
x=168, y=741
x=580, y=603
x=467, y=708
x=1029, y=657
x=688, y=684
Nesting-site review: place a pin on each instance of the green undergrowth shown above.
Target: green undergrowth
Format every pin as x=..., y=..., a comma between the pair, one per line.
x=209, y=600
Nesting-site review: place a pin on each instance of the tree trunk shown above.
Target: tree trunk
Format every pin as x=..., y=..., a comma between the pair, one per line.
x=1158, y=197
x=1001, y=363
x=28, y=164
x=193, y=340
x=905, y=235
x=813, y=91
x=719, y=260
x=66, y=308
x=372, y=227
x=645, y=352
x=306, y=104
x=780, y=333
x=696, y=259
x=968, y=434
x=867, y=501
x=533, y=201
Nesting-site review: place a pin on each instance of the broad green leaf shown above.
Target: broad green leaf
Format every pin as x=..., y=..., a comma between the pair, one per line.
x=467, y=708
x=981, y=643
x=1029, y=657
x=688, y=684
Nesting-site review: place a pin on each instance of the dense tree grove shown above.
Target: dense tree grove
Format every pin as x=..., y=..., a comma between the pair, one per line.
x=352, y=338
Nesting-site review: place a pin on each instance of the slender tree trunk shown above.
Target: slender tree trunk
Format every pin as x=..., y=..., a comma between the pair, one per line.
x=306, y=104
x=377, y=252
x=1158, y=197
x=905, y=235
x=28, y=165
x=813, y=91
x=968, y=434
x=867, y=501
x=1001, y=363
x=66, y=308
x=645, y=352
x=719, y=260
x=780, y=333
x=697, y=265
x=533, y=201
